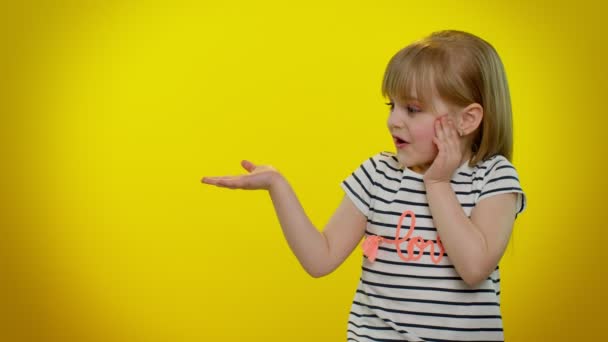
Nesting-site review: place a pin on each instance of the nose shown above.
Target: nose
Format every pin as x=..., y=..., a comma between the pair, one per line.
x=396, y=119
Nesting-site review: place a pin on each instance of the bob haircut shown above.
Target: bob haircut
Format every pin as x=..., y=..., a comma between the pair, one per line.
x=461, y=69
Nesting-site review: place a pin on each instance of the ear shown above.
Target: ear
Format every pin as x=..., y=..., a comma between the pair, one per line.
x=470, y=118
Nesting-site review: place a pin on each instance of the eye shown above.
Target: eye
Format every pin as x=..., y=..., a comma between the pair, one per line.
x=412, y=109
x=391, y=105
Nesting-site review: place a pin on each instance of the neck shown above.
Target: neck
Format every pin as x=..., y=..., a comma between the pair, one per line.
x=466, y=156
x=421, y=169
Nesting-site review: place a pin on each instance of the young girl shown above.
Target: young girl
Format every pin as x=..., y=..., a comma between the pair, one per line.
x=436, y=215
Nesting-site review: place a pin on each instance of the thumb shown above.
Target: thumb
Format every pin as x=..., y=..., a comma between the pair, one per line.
x=247, y=165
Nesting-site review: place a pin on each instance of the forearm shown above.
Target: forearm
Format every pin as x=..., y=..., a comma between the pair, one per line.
x=464, y=242
x=307, y=243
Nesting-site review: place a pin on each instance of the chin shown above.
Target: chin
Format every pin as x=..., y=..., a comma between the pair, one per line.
x=410, y=163
x=403, y=163
x=403, y=159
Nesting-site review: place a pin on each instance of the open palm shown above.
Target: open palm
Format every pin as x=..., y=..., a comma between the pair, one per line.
x=259, y=177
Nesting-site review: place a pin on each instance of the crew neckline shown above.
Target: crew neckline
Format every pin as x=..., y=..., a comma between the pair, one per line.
x=463, y=167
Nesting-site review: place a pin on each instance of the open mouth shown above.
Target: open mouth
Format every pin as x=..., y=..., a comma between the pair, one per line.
x=399, y=141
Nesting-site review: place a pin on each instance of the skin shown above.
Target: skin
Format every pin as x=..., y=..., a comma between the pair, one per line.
x=440, y=142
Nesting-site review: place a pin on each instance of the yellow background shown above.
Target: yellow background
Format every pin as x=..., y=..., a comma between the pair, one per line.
x=113, y=111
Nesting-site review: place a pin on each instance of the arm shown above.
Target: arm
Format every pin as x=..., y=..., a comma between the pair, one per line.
x=318, y=252
x=474, y=245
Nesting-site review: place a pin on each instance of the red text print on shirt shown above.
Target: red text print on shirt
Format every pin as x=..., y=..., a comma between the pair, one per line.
x=414, y=244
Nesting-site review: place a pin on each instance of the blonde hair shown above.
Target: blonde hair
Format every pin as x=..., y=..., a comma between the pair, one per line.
x=461, y=69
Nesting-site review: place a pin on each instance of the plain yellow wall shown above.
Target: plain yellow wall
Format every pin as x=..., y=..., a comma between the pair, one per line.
x=113, y=111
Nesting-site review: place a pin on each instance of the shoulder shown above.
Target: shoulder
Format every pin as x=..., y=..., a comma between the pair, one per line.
x=386, y=160
x=497, y=175
x=479, y=173
x=494, y=169
x=495, y=164
x=362, y=184
x=380, y=162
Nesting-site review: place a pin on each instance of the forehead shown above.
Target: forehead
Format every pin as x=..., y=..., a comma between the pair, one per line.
x=430, y=102
x=413, y=74
x=413, y=88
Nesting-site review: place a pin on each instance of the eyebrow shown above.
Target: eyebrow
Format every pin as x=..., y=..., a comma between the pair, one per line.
x=407, y=98
x=414, y=99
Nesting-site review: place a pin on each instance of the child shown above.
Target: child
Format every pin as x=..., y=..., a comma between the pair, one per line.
x=436, y=215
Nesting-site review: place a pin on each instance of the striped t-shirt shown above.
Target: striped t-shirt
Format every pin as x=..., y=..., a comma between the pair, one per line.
x=422, y=299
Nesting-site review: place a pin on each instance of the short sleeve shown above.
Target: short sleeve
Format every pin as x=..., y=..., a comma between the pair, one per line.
x=359, y=185
x=500, y=177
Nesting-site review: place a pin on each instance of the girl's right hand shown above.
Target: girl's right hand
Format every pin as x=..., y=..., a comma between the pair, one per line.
x=259, y=177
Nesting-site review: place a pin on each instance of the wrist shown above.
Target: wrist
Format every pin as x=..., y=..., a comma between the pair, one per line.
x=276, y=181
x=436, y=184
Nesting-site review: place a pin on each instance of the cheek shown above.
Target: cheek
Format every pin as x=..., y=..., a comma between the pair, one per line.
x=425, y=133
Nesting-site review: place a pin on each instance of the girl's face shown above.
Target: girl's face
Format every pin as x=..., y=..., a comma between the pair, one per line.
x=412, y=127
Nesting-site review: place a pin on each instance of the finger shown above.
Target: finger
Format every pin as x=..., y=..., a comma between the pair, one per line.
x=247, y=165
x=439, y=129
x=436, y=142
x=228, y=183
x=448, y=128
x=208, y=180
x=454, y=135
x=449, y=141
x=454, y=129
x=452, y=141
x=439, y=144
x=215, y=180
x=239, y=182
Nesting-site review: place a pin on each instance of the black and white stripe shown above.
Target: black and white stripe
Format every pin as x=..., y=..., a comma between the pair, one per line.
x=399, y=300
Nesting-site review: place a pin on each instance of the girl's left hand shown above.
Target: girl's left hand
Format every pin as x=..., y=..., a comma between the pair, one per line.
x=449, y=157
